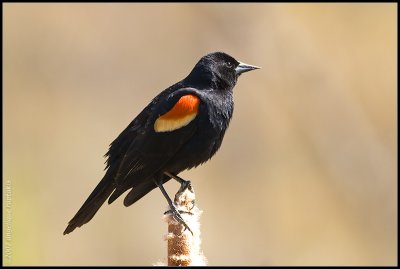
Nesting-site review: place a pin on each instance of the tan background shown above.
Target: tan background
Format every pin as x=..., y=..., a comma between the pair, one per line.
x=307, y=171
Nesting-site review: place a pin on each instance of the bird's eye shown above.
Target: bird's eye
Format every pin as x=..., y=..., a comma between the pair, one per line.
x=229, y=64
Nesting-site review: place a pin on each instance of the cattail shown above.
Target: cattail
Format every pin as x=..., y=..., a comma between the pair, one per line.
x=184, y=245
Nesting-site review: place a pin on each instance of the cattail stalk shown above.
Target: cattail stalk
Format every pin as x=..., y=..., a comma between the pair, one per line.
x=183, y=246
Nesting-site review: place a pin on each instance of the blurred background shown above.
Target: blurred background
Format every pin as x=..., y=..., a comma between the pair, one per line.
x=307, y=172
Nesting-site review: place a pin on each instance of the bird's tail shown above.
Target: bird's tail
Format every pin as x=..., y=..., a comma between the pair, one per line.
x=92, y=204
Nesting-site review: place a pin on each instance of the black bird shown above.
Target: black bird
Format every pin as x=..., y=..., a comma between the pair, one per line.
x=181, y=128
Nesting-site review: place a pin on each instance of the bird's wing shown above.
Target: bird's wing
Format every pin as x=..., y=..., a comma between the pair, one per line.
x=153, y=138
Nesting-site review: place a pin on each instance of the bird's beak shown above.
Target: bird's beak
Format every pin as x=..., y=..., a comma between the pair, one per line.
x=242, y=67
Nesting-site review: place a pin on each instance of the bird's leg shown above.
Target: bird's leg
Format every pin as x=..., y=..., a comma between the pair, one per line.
x=179, y=179
x=174, y=210
x=185, y=184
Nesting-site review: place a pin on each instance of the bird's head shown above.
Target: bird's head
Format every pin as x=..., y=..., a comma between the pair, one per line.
x=220, y=69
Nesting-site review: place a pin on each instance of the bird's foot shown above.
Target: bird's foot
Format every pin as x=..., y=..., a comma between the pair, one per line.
x=180, y=212
x=177, y=216
x=185, y=185
x=185, y=195
x=184, y=199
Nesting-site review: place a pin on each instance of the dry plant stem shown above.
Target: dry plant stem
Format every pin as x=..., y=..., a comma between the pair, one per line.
x=183, y=246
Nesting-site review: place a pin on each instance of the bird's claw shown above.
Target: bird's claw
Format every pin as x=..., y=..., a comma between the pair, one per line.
x=177, y=216
x=187, y=184
x=180, y=212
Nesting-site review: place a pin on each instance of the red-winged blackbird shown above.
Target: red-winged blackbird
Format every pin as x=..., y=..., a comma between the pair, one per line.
x=181, y=128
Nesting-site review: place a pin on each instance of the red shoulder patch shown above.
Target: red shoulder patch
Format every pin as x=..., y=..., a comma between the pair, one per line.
x=183, y=112
x=187, y=104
